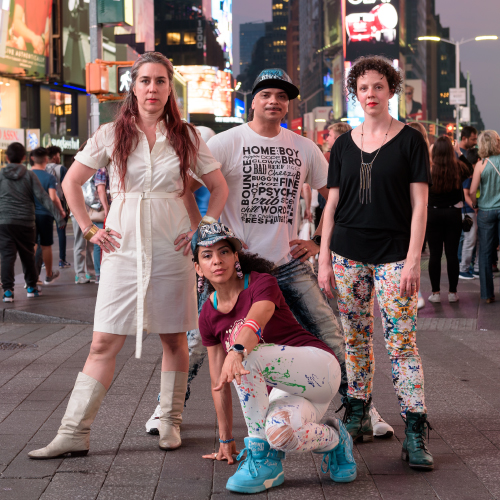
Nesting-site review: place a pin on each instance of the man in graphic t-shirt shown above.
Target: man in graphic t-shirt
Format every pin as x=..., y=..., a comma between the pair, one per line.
x=265, y=167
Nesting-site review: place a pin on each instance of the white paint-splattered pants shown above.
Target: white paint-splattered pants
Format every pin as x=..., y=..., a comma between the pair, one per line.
x=304, y=381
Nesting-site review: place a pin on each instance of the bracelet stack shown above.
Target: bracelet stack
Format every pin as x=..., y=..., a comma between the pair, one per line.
x=206, y=221
x=91, y=232
x=226, y=441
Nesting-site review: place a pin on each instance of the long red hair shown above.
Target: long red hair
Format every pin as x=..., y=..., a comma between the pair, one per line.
x=182, y=136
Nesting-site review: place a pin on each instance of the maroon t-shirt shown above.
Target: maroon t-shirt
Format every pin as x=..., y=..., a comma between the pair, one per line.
x=282, y=328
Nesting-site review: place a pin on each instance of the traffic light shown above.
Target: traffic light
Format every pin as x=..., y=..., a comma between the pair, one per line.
x=124, y=78
x=449, y=129
x=432, y=128
x=96, y=78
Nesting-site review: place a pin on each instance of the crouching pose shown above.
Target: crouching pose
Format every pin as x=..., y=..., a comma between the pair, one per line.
x=254, y=340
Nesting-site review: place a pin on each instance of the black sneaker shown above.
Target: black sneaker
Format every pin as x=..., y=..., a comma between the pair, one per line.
x=8, y=296
x=63, y=264
x=49, y=279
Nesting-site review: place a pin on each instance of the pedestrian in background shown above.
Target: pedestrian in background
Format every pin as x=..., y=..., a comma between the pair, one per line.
x=20, y=190
x=444, y=219
x=486, y=178
x=101, y=182
x=418, y=126
x=470, y=238
x=44, y=218
x=468, y=139
x=59, y=171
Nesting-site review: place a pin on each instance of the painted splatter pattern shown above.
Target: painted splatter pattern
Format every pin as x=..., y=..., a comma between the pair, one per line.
x=357, y=284
x=304, y=381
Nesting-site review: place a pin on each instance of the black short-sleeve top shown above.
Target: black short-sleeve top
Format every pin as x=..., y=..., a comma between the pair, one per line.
x=376, y=232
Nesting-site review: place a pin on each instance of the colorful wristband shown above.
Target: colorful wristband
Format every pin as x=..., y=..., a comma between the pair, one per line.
x=226, y=441
x=254, y=326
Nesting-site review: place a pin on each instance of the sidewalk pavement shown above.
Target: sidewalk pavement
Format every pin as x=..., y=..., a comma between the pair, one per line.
x=460, y=348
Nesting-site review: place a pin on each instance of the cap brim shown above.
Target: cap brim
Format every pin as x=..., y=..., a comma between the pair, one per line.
x=271, y=83
x=235, y=242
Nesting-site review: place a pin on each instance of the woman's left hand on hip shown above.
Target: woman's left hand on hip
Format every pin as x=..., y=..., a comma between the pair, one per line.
x=184, y=241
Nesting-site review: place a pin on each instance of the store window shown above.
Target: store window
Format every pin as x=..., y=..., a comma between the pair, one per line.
x=61, y=109
x=173, y=38
x=189, y=38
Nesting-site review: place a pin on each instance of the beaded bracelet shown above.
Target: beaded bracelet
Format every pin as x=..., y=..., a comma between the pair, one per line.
x=226, y=441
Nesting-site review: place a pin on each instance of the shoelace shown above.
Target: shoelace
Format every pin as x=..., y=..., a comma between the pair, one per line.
x=348, y=410
x=250, y=460
x=420, y=426
x=330, y=460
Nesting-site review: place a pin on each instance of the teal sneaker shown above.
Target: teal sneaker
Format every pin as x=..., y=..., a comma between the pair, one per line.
x=262, y=468
x=340, y=461
x=8, y=296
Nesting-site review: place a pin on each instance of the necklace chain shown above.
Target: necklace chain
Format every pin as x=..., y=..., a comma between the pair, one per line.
x=365, y=173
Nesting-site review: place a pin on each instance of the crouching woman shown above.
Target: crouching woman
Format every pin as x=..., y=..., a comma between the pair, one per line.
x=254, y=341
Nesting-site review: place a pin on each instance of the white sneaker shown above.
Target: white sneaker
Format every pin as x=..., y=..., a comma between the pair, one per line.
x=153, y=423
x=381, y=428
x=453, y=297
x=435, y=297
x=80, y=280
x=421, y=301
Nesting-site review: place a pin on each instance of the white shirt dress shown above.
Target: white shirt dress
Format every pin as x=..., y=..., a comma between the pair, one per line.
x=149, y=215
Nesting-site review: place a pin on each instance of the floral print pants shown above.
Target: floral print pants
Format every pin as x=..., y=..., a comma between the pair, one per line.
x=357, y=284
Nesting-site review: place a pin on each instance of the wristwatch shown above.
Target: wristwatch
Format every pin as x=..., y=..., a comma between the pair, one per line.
x=317, y=239
x=239, y=349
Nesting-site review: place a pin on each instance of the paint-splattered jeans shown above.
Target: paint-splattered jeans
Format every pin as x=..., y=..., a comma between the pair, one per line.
x=299, y=285
x=357, y=284
x=304, y=381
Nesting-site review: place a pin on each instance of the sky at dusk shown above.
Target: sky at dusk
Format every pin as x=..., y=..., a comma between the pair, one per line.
x=464, y=18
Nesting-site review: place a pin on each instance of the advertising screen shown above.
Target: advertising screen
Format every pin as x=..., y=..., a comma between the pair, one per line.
x=222, y=15
x=239, y=108
x=372, y=27
x=338, y=88
x=355, y=114
x=415, y=100
x=209, y=90
x=10, y=111
x=25, y=36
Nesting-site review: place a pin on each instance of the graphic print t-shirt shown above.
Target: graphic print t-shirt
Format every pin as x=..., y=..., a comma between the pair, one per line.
x=265, y=176
x=282, y=329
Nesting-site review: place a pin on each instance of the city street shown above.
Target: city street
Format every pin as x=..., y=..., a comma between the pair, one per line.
x=460, y=350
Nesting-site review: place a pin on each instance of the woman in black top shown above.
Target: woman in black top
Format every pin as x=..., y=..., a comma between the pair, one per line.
x=374, y=222
x=444, y=219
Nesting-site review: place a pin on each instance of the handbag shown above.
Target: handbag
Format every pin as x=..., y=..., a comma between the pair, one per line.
x=91, y=197
x=467, y=221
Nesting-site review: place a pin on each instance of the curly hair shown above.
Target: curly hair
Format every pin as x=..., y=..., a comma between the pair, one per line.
x=249, y=262
x=488, y=143
x=379, y=64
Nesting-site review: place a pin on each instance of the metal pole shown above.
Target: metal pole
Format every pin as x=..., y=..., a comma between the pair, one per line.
x=468, y=97
x=95, y=32
x=457, y=84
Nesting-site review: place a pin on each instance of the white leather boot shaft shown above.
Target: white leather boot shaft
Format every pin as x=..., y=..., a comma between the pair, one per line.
x=74, y=434
x=173, y=394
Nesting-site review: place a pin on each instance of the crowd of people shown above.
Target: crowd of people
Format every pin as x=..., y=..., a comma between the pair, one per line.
x=239, y=280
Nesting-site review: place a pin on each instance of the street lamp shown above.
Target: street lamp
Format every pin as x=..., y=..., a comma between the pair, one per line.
x=245, y=95
x=457, y=62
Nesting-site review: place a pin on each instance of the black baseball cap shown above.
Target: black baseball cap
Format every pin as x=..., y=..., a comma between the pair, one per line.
x=275, y=78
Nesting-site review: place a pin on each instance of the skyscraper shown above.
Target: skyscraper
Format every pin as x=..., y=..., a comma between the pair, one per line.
x=250, y=33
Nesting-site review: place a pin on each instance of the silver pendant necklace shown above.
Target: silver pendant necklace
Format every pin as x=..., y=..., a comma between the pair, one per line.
x=365, y=173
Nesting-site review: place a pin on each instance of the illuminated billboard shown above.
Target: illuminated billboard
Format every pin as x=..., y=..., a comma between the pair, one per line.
x=355, y=113
x=25, y=36
x=209, y=90
x=415, y=100
x=222, y=15
x=372, y=27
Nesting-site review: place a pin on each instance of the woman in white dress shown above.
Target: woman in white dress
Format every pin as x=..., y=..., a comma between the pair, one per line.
x=147, y=278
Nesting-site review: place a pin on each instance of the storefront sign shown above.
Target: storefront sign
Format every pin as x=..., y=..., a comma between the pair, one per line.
x=10, y=135
x=72, y=143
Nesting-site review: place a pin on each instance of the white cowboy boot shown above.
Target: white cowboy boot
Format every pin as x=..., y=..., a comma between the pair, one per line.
x=173, y=394
x=73, y=436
